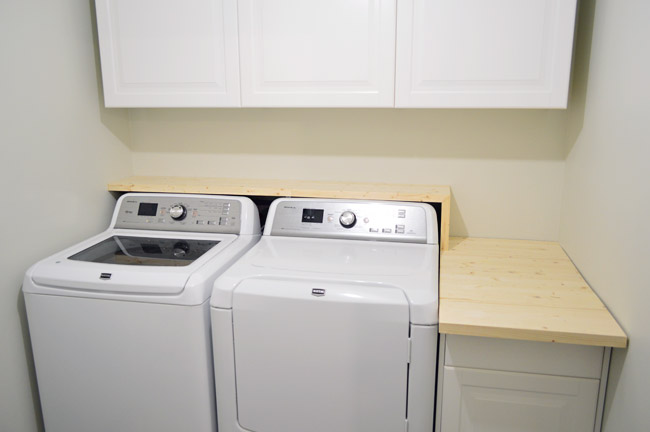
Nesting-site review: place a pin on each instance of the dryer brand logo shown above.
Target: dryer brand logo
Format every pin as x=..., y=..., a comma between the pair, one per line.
x=105, y=276
x=318, y=292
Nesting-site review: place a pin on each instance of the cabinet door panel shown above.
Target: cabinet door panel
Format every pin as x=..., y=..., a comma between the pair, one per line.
x=580, y=361
x=317, y=53
x=488, y=401
x=169, y=52
x=484, y=53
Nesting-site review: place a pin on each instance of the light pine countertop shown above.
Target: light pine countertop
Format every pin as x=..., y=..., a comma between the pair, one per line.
x=519, y=289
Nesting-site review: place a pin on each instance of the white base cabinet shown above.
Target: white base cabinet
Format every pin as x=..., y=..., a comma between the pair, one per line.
x=493, y=401
x=495, y=385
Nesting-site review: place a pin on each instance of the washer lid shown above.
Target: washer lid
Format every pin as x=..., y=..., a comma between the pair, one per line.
x=130, y=262
x=145, y=251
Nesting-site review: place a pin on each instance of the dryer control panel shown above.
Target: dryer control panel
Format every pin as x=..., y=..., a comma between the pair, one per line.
x=351, y=219
x=180, y=213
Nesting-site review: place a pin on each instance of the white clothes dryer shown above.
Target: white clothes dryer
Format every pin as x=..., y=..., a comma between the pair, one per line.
x=329, y=323
x=119, y=323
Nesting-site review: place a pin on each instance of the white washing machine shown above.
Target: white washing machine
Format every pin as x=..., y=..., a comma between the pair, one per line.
x=120, y=324
x=329, y=324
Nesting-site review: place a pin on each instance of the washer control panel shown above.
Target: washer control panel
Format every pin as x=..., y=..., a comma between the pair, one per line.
x=363, y=220
x=168, y=213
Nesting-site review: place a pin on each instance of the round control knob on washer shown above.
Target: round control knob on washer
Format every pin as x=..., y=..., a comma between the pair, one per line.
x=348, y=219
x=181, y=249
x=178, y=212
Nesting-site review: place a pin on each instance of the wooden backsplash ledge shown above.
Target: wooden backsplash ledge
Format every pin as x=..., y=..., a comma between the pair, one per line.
x=295, y=188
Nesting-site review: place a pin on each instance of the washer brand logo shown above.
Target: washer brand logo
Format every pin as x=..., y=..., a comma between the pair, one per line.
x=105, y=276
x=318, y=292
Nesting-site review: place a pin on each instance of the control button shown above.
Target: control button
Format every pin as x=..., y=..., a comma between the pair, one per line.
x=178, y=212
x=195, y=213
x=366, y=220
x=374, y=229
x=401, y=213
x=399, y=230
x=387, y=230
x=348, y=219
x=214, y=222
x=399, y=226
x=200, y=222
x=330, y=218
x=223, y=221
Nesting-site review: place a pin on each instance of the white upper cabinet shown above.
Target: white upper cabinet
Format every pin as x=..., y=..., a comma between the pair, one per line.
x=169, y=53
x=484, y=53
x=336, y=53
x=316, y=53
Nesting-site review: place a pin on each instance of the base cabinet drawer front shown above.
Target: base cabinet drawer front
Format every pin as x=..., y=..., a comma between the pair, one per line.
x=315, y=53
x=484, y=53
x=477, y=400
x=169, y=53
x=509, y=355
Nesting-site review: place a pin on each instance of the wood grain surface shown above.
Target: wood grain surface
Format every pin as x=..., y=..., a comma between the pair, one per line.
x=518, y=289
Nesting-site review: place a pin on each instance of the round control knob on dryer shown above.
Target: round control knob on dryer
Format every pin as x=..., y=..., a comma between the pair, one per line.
x=348, y=219
x=178, y=212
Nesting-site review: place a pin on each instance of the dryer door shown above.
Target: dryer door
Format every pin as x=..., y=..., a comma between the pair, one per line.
x=316, y=356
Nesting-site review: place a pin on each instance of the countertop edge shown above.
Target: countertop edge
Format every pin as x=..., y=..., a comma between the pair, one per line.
x=534, y=335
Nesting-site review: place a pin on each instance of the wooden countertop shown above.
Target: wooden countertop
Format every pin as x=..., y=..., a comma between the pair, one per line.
x=295, y=188
x=517, y=289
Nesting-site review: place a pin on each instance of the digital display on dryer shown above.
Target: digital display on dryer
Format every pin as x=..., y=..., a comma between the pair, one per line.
x=312, y=215
x=147, y=209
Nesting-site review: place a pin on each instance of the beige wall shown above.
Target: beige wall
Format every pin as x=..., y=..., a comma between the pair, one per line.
x=505, y=167
x=58, y=149
x=606, y=207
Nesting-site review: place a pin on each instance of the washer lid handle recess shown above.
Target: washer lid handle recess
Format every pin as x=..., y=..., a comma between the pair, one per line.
x=138, y=280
